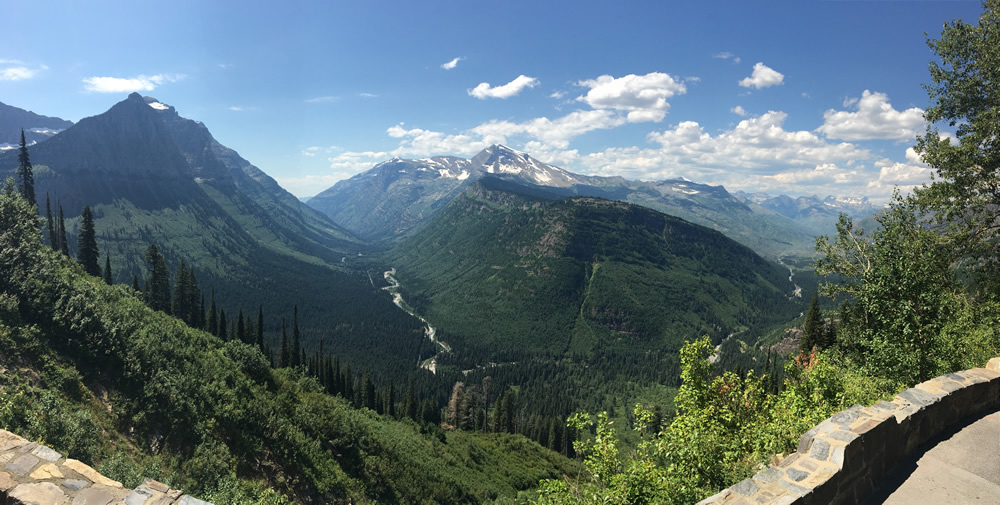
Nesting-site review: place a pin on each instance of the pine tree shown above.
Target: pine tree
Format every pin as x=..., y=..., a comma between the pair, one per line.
x=213, y=317
x=241, y=329
x=108, y=278
x=260, y=327
x=50, y=224
x=86, y=251
x=135, y=284
x=812, y=330
x=296, y=345
x=223, y=325
x=181, y=292
x=61, y=232
x=27, y=185
x=158, y=284
x=285, y=353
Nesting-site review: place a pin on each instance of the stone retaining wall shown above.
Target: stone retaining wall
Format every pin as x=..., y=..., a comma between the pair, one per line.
x=32, y=474
x=843, y=459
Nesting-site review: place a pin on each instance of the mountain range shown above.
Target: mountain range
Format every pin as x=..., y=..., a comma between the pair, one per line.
x=398, y=196
x=37, y=128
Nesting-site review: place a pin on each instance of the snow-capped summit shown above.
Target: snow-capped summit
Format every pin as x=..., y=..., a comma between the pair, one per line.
x=500, y=159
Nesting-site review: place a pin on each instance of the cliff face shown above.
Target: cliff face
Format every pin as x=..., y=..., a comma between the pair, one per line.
x=34, y=473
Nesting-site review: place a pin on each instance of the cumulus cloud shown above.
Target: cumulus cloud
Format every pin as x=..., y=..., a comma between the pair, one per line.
x=726, y=55
x=451, y=64
x=128, y=85
x=763, y=77
x=512, y=88
x=17, y=73
x=875, y=118
x=738, y=110
x=643, y=97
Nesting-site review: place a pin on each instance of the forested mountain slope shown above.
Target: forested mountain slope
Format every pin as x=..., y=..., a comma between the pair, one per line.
x=499, y=269
x=153, y=177
x=93, y=372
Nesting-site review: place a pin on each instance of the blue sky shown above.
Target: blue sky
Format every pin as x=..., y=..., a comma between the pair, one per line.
x=800, y=97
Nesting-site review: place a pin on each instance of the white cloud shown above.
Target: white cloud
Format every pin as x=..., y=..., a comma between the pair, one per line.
x=726, y=55
x=310, y=151
x=643, y=97
x=452, y=64
x=17, y=73
x=368, y=95
x=875, y=118
x=738, y=110
x=127, y=85
x=235, y=108
x=763, y=77
x=558, y=95
x=322, y=99
x=512, y=88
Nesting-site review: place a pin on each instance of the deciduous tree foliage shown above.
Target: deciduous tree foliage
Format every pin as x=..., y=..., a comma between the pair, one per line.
x=965, y=94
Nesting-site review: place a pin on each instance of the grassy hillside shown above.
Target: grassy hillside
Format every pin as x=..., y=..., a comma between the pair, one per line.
x=92, y=371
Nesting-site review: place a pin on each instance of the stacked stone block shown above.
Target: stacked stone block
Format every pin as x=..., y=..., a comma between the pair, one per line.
x=844, y=458
x=33, y=474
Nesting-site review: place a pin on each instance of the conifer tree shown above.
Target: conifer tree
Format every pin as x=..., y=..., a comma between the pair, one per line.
x=108, y=278
x=213, y=317
x=61, y=232
x=368, y=391
x=223, y=325
x=86, y=251
x=135, y=283
x=260, y=327
x=812, y=330
x=296, y=345
x=285, y=354
x=158, y=284
x=50, y=224
x=241, y=329
x=24, y=171
x=181, y=292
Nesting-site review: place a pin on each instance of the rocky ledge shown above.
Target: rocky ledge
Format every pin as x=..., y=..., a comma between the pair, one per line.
x=33, y=474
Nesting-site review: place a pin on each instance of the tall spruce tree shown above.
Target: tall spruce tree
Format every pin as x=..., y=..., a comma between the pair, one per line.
x=50, y=224
x=296, y=349
x=158, y=284
x=241, y=329
x=260, y=328
x=108, y=278
x=24, y=171
x=223, y=325
x=61, y=232
x=213, y=317
x=812, y=330
x=285, y=357
x=86, y=250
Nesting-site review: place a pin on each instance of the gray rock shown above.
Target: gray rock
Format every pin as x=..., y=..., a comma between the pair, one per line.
x=820, y=450
x=795, y=488
x=93, y=496
x=138, y=496
x=75, y=484
x=745, y=488
x=769, y=476
x=23, y=464
x=46, y=453
x=918, y=397
x=796, y=474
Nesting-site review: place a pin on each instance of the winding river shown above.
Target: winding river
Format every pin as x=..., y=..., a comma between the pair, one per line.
x=429, y=331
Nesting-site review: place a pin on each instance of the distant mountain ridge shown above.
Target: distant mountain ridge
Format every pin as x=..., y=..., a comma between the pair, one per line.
x=398, y=196
x=37, y=128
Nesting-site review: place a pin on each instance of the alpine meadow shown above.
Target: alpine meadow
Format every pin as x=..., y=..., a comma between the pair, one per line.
x=537, y=254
